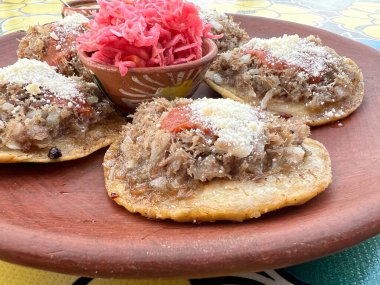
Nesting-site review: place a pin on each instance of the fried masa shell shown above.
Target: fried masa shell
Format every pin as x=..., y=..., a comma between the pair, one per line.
x=97, y=136
x=347, y=105
x=223, y=199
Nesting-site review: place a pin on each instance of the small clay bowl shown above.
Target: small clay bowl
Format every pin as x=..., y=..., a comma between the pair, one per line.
x=145, y=83
x=84, y=7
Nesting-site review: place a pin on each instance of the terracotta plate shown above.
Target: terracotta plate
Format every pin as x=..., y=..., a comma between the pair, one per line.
x=58, y=217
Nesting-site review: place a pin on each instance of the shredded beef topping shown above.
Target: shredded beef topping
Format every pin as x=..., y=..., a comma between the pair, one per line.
x=55, y=44
x=154, y=157
x=37, y=104
x=234, y=35
x=291, y=68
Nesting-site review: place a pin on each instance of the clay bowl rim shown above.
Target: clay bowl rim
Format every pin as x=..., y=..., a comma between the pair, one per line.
x=75, y=5
x=209, y=57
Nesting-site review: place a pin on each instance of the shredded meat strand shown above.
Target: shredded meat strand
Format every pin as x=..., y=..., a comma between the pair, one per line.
x=233, y=35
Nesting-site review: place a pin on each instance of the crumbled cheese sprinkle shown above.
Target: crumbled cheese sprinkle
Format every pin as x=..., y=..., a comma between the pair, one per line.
x=38, y=75
x=293, y=50
x=70, y=25
x=213, y=17
x=238, y=126
x=33, y=89
x=334, y=113
x=73, y=21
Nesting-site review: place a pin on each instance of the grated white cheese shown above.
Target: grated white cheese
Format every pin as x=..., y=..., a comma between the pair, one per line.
x=73, y=21
x=334, y=113
x=293, y=50
x=39, y=75
x=70, y=25
x=212, y=17
x=238, y=126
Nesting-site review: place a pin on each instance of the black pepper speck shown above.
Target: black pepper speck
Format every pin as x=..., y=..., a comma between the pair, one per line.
x=114, y=195
x=54, y=153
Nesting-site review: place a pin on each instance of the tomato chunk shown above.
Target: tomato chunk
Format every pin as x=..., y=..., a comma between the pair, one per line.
x=59, y=56
x=277, y=64
x=264, y=56
x=315, y=79
x=82, y=107
x=179, y=119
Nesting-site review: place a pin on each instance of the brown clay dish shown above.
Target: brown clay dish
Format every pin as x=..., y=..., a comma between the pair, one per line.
x=84, y=7
x=145, y=83
x=59, y=218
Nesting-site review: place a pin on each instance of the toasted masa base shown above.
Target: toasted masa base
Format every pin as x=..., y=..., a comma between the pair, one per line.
x=225, y=199
x=98, y=136
x=349, y=105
